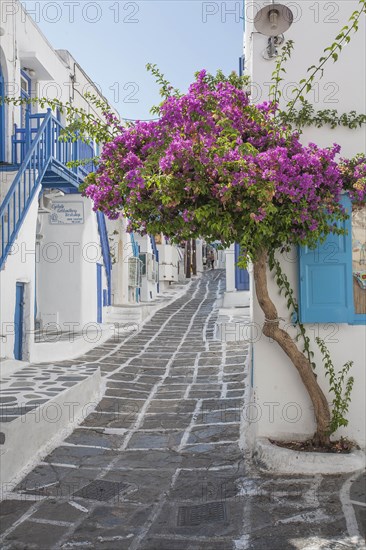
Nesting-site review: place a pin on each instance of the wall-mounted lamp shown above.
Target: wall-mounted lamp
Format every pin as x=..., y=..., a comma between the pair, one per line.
x=272, y=21
x=2, y=31
x=31, y=72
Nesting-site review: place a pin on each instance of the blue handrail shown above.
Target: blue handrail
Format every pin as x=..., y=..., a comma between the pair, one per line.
x=19, y=197
x=35, y=147
x=62, y=151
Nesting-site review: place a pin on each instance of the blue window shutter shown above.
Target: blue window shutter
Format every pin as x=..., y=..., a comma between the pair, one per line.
x=325, y=286
x=241, y=275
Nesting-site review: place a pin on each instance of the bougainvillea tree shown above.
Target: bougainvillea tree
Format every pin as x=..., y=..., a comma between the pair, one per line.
x=213, y=165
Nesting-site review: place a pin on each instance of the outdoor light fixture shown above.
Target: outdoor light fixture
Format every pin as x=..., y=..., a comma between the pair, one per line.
x=31, y=72
x=2, y=31
x=272, y=21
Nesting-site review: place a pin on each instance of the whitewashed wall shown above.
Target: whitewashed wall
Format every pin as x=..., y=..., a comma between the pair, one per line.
x=148, y=287
x=24, y=46
x=121, y=248
x=282, y=406
x=20, y=267
x=66, y=291
x=168, y=264
x=66, y=269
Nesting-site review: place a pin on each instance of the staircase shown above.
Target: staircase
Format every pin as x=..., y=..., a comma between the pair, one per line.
x=40, y=158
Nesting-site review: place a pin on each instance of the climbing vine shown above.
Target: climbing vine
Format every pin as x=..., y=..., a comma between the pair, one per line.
x=306, y=114
x=331, y=52
x=338, y=384
x=341, y=388
x=214, y=165
x=285, y=288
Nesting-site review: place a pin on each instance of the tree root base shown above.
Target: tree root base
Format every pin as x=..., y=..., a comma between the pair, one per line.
x=341, y=446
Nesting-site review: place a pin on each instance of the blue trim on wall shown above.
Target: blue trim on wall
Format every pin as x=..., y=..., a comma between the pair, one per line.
x=241, y=275
x=106, y=253
x=18, y=321
x=136, y=253
x=252, y=369
x=99, y=294
x=326, y=278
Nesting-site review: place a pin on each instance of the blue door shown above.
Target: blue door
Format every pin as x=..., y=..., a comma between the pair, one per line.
x=18, y=321
x=99, y=294
x=241, y=275
x=2, y=118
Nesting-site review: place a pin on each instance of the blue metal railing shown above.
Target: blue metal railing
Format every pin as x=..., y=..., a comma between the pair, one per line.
x=62, y=151
x=33, y=148
x=19, y=197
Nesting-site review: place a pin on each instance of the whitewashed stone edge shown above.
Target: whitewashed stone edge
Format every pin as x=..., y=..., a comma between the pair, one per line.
x=272, y=458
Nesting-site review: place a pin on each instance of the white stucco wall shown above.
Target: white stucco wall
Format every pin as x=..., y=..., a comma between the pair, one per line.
x=66, y=288
x=20, y=267
x=282, y=405
x=121, y=247
x=199, y=256
x=148, y=288
x=66, y=269
x=230, y=268
x=168, y=263
x=24, y=46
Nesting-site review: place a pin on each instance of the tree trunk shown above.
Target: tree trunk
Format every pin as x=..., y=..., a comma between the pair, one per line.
x=303, y=366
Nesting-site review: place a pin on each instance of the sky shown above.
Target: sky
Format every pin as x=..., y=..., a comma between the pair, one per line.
x=113, y=40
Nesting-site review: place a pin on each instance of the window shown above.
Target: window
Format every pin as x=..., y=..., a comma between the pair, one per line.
x=329, y=274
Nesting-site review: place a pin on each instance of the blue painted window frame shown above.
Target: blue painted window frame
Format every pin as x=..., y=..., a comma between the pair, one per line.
x=328, y=259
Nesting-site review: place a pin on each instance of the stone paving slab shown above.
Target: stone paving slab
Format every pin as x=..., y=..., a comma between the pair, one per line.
x=158, y=466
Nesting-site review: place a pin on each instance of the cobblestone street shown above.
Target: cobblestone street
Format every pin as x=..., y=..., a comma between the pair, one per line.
x=161, y=464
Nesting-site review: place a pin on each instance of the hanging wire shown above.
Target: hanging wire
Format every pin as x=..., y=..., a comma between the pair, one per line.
x=140, y=119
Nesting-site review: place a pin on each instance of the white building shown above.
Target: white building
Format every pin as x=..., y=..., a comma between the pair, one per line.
x=327, y=305
x=63, y=266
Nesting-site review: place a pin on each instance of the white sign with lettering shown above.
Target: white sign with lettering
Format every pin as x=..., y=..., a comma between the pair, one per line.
x=67, y=213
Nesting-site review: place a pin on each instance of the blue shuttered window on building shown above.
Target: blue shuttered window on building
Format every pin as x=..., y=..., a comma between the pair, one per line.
x=326, y=279
x=241, y=275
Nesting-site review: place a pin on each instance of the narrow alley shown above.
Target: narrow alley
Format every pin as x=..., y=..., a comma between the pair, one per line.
x=160, y=464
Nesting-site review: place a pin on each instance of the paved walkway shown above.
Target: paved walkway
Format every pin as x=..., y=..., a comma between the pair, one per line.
x=160, y=466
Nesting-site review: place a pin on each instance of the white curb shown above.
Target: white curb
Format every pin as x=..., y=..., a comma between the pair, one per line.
x=272, y=458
